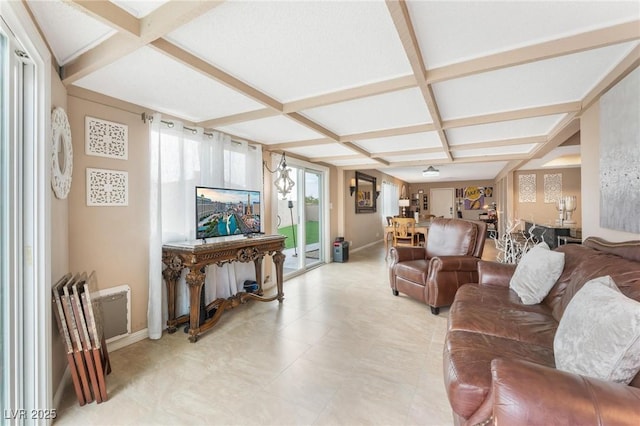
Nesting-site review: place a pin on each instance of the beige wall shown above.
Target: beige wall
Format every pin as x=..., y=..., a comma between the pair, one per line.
x=113, y=241
x=59, y=245
x=546, y=213
x=590, y=148
x=466, y=214
x=363, y=228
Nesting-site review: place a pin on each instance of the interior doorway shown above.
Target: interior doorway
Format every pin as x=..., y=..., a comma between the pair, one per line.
x=442, y=202
x=302, y=219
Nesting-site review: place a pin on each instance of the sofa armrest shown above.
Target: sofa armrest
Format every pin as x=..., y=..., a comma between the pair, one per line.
x=495, y=273
x=404, y=253
x=526, y=393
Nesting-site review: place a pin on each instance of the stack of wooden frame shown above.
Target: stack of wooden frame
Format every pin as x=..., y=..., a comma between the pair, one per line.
x=80, y=323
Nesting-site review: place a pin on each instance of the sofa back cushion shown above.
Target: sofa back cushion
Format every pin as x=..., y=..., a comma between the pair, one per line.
x=584, y=263
x=453, y=237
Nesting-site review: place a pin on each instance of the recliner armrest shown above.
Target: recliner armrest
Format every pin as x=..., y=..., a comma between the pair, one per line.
x=404, y=253
x=453, y=263
x=495, y=273
x=526, y=393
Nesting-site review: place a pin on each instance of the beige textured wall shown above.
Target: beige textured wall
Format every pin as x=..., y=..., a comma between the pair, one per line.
x=546, y=213
x=59, y=244
x=590, y=147
x=113, y=241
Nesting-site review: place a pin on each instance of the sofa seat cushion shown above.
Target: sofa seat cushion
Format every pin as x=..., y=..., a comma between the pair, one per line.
x=497, y=311
x=467, y=365
x=413, y=270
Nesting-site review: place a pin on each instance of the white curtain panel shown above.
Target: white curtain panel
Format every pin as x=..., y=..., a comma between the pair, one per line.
x=181, y=160
x=390, y=199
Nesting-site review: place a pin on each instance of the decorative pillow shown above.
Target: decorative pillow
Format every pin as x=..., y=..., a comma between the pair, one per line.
x=536, y=273
x=599, y=333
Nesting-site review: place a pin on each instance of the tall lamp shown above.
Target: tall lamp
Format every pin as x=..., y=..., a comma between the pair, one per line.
x=404, y=203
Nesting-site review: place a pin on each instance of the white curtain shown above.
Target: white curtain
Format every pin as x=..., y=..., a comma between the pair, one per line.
x=390, y=199
x=180, y=160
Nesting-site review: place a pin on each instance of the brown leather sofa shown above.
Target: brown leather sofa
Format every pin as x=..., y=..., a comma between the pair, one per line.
x=499, y=363
x=433, y=273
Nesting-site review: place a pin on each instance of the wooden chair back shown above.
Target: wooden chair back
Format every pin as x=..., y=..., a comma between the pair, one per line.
x=404, y=231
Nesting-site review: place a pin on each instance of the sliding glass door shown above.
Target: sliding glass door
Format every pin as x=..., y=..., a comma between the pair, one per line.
x=302, y=219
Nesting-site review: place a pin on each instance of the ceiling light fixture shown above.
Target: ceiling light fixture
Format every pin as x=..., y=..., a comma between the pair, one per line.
x=431, y=172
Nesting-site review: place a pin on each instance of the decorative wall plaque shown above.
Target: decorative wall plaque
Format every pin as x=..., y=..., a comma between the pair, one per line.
x=527, y=188
x=552, y=187
x=61, y=153
x=107, y=187
x=105, y=138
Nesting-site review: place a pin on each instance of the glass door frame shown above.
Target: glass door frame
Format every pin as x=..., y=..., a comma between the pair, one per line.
x=301, y=168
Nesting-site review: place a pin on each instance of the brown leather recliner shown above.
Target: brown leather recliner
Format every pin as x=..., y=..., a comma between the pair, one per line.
x=433, y=273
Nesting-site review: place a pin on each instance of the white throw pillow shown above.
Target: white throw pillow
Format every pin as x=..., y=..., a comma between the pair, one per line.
x=599, y=333
x=537, y=271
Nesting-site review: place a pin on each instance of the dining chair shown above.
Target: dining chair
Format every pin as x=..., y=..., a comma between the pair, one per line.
x=404, y=231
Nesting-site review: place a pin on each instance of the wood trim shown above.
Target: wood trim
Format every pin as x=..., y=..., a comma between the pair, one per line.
x=628, y=64
x=364, y=152
x=301, y=119
x=173, y=15
x=402, y=21
x=509, y=168
x=240, y=117
x=109, y=14
x=299, y=144
x=397, y=131
x=107, y=52
x=560, y=133
x=562, y=108
x=367, y=90
x=551, y=49
x=192, y=61
x=416, y=151
x=499, y=143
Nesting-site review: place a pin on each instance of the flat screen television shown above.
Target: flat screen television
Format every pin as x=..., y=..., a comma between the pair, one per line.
x=222, y=212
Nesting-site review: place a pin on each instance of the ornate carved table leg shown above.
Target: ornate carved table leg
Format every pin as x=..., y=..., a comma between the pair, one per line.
x=278, y=260
x=171, y=276
x=195, y=280
x=257, y=262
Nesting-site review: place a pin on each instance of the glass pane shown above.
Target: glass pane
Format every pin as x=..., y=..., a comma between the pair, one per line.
x=287, y=221
x=312, y=214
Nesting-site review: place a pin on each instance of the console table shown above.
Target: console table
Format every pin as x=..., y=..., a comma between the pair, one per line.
x=548, y=234
x=196, y=255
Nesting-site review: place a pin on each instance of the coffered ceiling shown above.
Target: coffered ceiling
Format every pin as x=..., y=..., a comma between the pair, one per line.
x=475, y=88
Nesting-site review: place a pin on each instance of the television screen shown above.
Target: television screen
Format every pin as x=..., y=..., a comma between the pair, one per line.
x=221, y=212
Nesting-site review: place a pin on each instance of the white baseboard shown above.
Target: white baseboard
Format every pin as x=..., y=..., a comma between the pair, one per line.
x=127, y=340
x=111, y=347
x=366, y=246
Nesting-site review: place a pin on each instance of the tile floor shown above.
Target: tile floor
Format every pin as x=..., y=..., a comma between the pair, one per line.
x=340, y=350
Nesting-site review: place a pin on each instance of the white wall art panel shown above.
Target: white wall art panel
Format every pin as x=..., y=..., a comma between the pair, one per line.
x=527, y=188
x=107, y=187
x=552, y=187
x=620, y=156
x=104, y=138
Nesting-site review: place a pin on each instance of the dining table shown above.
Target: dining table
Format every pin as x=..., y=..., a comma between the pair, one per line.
x=421, y=228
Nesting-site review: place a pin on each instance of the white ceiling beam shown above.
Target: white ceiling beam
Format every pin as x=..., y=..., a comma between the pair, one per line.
x=620, y=71
x=107, y=52
x=240, y=117
x=173, y=15
x=402, y=21
x=300, y=144
x=509, y=168
x=367, y=90
x=551, y=49
x=418, y=128
x=301, y=119
x=500, y=143
x=335, y=158
x=562, y=108
x=416, y=151
x=109, y=14
x=194, y=62
x=161, y=21
x=364, y=152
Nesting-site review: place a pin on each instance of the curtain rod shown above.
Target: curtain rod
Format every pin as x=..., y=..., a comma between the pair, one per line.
x=146, y=117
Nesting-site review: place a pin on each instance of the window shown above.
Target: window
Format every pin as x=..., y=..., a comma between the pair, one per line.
x=389, y=200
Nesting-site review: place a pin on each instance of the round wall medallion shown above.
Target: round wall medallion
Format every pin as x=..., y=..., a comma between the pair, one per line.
x=61, y=153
